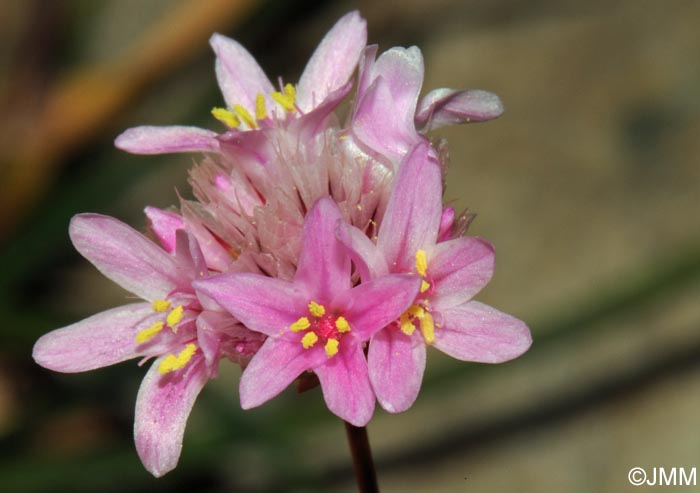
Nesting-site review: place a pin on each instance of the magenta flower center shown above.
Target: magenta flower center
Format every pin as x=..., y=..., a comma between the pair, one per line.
x=321, y=327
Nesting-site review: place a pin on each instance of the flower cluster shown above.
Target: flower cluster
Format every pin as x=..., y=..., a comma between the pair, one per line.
x=311, y=247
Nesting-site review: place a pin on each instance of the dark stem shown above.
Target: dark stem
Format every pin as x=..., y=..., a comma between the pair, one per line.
x=362, y=461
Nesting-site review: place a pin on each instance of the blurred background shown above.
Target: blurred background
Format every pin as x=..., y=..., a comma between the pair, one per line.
x=589, y=187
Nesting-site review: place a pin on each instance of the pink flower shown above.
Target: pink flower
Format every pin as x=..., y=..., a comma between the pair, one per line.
x=252, y=103
x=317, y=322
x=187, y=334
x=389, y=120
x=443, y=314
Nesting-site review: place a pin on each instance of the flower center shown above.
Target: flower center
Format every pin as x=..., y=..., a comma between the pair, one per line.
x=237, y=115
x=418, y=314
x=323, y=327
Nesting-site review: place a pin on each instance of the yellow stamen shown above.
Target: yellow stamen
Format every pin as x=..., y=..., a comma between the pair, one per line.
x=309, y=340
x=226, y=117
x=160, y=305
x=421, y=263
x=287, y=99
x=175, y=316
x=406, y=325
x=416, y=311
x=316, y=310
x=148, y=332
x=260, y=111
x=424, y=286
x=301, y=324
x=245, y=115
x=427, y=327
x=332, y=347
x=172, y=362
x=342, y=325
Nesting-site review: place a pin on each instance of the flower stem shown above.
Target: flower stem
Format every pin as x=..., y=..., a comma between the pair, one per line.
x=362, y=461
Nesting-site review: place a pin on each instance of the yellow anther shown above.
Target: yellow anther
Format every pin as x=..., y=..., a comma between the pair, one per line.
x=160, y=305
x=309, y=340
x=245, y=115
x=416, y=311
x=331, y=347
x=286, y=100
x=406, y=325
x=301, y=324
x=172, y=362
x=316, y=310
x=226, y=117
x=424, y=286
x=148, y=332
x=421, y=263
x=427, y=327
x=260, y=111
x=342, y=325
x=175, y=316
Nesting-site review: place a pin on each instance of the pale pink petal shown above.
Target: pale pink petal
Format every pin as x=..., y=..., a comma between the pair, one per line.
x=442, y=107
x=217, y=257
x=375, y=128
x=100, y=340
x=315, y=121
x=276, y=364
x=372, y=305
x=164, y=225
x=324, y=268
x=447, y=221
x=412, y=216
x=365, y=254
x=458, y=269
x=345, y=384
x=262, y=304
x=333, y=62
x=189, y=256
x=396, y=364
x=165, y=140
x=240, y=77
x=125, y=256
x=365, y=73
x=163, y=404
x=476, y=332
x=402, y=69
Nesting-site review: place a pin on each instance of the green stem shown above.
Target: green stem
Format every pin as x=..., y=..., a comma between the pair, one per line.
x=362, y=461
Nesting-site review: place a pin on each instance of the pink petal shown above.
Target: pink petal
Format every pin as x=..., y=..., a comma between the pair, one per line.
x=459, y=269
x=163, y=404
x=324, y=268
x=314, y=122
x=101, y=340
x=345, y=384
x=164, y=140
x=125, y=256
x=476, y=332
x=262, y=304
x=412, y=216
x=333, y=62
x=442, y=107
x=396, y=364
x=217, y=257
x=387, y=97
x=240, y=77
x=375, y=128
x=276, y=364
x=372, y=305
x=164, y=225
x=189, y=256
x=367, y=258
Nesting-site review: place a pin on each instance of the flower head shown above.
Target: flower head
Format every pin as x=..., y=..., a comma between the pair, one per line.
x=317, y=322
x=452, y=272
x=187, y=334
